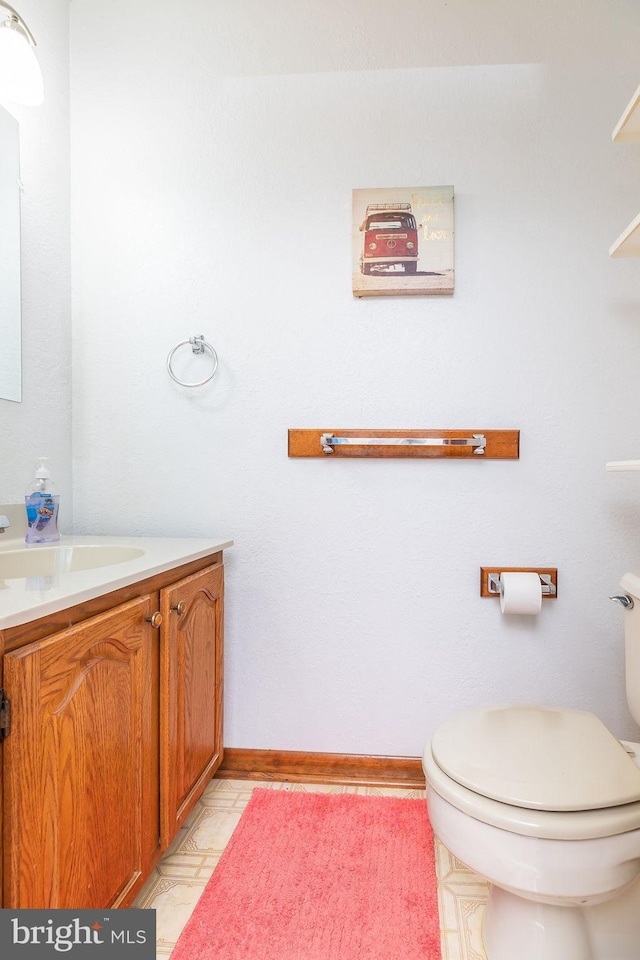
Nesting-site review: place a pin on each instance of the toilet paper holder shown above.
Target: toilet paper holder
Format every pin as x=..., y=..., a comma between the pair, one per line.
x=490, y=585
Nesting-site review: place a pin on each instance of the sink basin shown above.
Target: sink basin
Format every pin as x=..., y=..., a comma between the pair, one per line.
x=51, y=561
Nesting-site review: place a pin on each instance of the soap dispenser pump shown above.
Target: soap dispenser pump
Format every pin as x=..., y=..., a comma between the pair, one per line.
x=42, y=502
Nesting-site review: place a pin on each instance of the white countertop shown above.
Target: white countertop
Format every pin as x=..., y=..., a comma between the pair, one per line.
x=29, y=598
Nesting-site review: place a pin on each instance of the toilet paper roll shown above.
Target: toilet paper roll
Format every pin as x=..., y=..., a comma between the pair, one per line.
x=520, y=593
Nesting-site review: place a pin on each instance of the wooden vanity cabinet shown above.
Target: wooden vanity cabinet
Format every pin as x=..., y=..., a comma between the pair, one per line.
x=75, y=761
x=116, y=728
x=190, y=717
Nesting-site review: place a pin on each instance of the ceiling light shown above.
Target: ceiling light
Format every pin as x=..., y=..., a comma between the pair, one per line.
x=20, y=76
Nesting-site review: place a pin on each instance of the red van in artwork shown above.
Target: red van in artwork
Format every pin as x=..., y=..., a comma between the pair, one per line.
x=390, y=238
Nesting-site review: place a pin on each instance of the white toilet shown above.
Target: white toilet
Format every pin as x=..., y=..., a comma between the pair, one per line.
x=545, y=804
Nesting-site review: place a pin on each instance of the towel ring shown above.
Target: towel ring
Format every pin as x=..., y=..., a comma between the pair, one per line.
x=198, y=345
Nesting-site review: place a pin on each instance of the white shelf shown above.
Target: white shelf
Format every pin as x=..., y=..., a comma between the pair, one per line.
x=617, y=465
x=628, y=243
x=627, y=129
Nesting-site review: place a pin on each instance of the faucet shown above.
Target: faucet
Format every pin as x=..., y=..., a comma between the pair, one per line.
x=4, y=523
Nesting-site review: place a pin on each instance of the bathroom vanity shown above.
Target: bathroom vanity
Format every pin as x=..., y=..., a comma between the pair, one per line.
x=111, y=715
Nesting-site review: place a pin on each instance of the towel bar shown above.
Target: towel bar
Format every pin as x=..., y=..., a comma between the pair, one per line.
x=478, y=441
x=354, y=443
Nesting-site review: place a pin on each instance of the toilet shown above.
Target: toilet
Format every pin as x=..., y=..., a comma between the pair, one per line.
x=544, y=803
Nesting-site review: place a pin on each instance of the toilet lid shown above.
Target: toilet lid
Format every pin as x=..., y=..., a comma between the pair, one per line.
x=539, y=758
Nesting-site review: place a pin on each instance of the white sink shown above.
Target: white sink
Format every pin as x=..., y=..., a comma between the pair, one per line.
x=40, y=579
x=43, y=561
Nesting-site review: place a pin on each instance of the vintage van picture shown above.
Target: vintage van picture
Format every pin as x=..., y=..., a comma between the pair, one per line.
x=403, y=241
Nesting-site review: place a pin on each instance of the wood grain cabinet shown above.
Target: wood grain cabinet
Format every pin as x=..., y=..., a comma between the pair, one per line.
x=190, y=717
x=116, y=728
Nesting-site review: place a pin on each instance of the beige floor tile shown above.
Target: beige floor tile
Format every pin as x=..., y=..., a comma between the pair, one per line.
x=222, y=785
x=228, y=792
x=174, y=902
x=400, y=792
x=209, y=830
x=448, y=907
x=451, y=944
x=470, y=924
x=462, y=897
x=208, y=866
x=302, y=787
x=179, y=867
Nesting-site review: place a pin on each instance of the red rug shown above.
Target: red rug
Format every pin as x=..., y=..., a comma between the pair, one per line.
x=317, y=876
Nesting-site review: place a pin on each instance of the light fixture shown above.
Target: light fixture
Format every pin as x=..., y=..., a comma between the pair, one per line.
x=20, y=76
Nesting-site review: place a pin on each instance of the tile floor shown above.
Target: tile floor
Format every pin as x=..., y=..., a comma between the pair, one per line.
x=182, y=874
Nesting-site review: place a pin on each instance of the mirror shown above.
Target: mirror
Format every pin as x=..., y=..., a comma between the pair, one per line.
x=10, y=296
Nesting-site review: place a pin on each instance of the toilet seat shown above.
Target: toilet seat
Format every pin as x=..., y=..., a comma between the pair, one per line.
x=540, y=758
x=529, y=822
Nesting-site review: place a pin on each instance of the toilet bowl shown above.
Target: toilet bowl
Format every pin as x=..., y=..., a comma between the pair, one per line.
x=543, y=803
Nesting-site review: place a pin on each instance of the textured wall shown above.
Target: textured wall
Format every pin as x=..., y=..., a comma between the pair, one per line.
x=41, y=424
x=213, y=163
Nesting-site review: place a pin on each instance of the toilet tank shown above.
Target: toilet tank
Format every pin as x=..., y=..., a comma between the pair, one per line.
x=630, y=583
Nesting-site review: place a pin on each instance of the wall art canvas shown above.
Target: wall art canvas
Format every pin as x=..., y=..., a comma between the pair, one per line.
x=403, y=242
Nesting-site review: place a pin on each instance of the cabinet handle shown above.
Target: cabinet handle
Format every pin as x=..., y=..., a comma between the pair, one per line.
x=155, y=619
x=180, y=607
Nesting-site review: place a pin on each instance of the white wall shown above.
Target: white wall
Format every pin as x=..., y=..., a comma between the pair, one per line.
x=213, y=159
x=41, y=424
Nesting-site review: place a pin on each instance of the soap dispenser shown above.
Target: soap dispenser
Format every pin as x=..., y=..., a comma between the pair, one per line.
x=42, y=502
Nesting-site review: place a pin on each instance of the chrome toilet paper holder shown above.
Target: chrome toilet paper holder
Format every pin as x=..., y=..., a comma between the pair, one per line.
x=491, y=585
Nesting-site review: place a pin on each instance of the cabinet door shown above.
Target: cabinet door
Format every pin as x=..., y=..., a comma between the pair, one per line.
x=191, y=678
x=74, y=762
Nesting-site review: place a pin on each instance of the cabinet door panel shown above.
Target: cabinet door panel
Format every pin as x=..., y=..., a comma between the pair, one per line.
x=74, y=762
x=191, y=693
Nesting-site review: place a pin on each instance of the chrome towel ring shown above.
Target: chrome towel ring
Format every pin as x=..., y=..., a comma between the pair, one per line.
x=198, y=345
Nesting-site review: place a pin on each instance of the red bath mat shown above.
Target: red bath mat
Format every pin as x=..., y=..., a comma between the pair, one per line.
x=317, y=876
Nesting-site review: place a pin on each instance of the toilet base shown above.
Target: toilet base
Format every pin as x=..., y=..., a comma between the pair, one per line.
x=530, y=930
x=514, y=927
